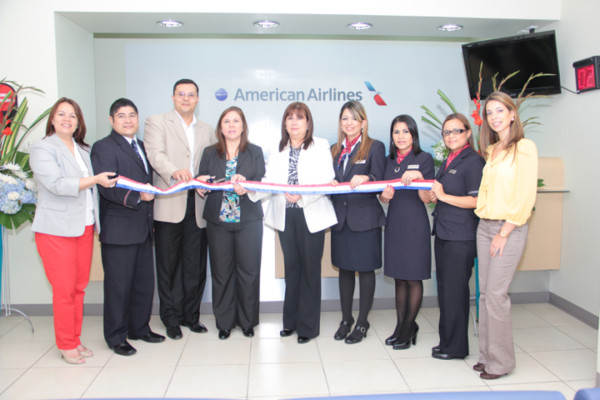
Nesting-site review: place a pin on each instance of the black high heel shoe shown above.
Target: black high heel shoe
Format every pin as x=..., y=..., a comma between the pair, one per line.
x=405, y=345
x=358, y=333
x=343, y=330
x=393, y=338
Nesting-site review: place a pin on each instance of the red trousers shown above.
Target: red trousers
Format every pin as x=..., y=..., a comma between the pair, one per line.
x=67, y=262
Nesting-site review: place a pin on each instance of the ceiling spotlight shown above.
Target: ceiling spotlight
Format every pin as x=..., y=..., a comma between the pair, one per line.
x=450, y=27
x=266, y=24
x=169, y=23
x=359, y=26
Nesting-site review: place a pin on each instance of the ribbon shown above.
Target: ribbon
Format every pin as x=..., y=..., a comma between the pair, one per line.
x=327, y=188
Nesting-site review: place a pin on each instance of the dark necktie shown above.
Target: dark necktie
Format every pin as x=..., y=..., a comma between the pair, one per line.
x=137, y=152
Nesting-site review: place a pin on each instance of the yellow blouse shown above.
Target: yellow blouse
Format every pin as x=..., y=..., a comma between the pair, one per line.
x=509, y=184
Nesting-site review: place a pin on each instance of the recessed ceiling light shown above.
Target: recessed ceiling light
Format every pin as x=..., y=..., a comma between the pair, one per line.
x=169, y=23
x=450, y=27
x=266, y=24
x=359, y=26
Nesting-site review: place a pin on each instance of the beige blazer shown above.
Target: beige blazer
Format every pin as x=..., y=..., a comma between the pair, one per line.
x=168, y=151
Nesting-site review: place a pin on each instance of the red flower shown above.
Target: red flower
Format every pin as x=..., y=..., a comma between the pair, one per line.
x=6, y=131
x=475, y=114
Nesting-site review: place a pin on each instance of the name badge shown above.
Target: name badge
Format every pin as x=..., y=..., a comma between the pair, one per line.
x=452, y=171
x=361, y=162
x=413, y=166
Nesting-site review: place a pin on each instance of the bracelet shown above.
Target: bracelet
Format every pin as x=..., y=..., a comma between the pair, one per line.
x=504, y=234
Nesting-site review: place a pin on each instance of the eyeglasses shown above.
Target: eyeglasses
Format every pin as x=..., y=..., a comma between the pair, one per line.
x=455, y=131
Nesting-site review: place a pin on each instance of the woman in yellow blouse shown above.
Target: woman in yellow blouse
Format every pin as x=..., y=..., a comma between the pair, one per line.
x=506, y=198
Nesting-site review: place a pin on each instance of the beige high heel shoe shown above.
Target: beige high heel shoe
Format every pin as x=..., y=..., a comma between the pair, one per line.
x=72, y=356
x=84, y=351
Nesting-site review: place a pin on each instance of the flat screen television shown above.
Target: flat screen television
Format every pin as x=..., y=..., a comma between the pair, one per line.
x=529, y=53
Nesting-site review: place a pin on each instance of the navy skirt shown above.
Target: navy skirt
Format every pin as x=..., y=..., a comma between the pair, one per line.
x=356, y=251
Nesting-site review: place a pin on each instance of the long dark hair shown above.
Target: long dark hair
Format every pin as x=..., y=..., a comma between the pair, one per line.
x=358, y=111
x=414, y=132
x=81, y=130
x=300, y=109
x=221, y=144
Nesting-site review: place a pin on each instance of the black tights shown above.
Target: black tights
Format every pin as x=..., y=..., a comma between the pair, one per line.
x=367, y=292
x=409, y=296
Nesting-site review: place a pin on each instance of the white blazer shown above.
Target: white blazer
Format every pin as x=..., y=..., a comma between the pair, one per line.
x=315, y=166
x=61, y=205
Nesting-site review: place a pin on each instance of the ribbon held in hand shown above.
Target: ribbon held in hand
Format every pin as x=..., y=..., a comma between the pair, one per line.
x=327, y=188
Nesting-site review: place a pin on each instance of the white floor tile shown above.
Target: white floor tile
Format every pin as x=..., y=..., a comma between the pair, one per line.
x=429, y=373
x=215, y=351
x=371, y=348
x=8, y=376
x=556, y=386
x=283, y=350
x=124, y=381
x=209, y=381
x=527, y=370
x=363, y=377
x=22, y=354
x=51, y=383
x=292, y=379
x=544, y=339
x=583, y=334
x=569, y=365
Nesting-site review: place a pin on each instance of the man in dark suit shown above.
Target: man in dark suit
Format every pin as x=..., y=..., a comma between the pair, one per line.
x=126, y=218
x=175, y=142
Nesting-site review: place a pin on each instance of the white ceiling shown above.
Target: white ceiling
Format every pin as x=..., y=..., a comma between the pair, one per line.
x=127, y=24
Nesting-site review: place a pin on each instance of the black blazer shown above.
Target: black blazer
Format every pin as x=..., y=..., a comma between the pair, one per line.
x=461, y=178
x=362, y=211
x=251, y=164
x=124, y=218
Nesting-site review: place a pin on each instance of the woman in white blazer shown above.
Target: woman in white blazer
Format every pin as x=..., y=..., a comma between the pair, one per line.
x=300, y=219
x=65, y=217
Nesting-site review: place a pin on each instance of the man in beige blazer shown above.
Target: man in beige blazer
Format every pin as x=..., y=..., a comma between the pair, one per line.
x=174, y=143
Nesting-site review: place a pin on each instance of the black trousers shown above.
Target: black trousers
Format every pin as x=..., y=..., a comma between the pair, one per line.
x=302, y=253
x=235, y=254
x=180, y=267
x=454, y=264
x=128, y=290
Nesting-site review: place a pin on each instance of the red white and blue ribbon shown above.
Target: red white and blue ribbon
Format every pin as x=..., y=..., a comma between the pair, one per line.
x=341, y=188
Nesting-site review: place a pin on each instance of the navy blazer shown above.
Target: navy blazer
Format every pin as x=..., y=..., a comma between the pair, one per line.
x=124, y=218
x=362, y=211
x=250, y=164
x=461, y=178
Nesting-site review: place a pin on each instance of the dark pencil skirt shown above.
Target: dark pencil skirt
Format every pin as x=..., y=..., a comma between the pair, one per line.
x=356, y=251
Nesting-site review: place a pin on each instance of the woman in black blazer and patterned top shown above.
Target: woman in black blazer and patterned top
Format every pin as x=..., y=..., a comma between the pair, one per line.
x=234, y=225
x=455, y=227
x=356, y=238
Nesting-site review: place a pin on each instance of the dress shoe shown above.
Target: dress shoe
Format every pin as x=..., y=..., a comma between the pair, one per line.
x=479, y=367
x=444, y=356
x=124, y=349
x=399, y=345
x=303, y=339
x=224, y=333
x=196, y=327
x=286, y=332
x=359, y=332
x=150, y=337
x=174, y=332
x=436, y=349
x=343, y=330
x=485, y=375
x=248, y=332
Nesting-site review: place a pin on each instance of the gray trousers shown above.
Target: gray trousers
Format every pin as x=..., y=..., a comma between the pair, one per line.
x=496, y=348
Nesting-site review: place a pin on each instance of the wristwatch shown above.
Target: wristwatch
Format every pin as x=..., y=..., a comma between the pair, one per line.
x=503, y=234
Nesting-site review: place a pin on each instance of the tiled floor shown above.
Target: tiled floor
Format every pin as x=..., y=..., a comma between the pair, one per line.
x=554, y=352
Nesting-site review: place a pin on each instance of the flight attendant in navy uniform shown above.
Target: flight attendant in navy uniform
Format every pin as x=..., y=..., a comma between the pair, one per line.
x=356, y=238
x=407, y=243
x=455, y=227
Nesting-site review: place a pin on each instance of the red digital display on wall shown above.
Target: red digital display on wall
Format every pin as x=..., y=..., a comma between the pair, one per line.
x=586, y=73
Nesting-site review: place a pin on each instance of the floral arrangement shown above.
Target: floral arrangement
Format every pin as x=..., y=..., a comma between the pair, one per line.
x=17, y=196
x=434, y=121
x=17, y=188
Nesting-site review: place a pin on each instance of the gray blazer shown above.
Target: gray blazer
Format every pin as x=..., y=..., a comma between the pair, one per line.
x=61, y=206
